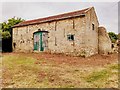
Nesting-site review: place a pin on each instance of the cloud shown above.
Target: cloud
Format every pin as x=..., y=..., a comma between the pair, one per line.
x=107, y=12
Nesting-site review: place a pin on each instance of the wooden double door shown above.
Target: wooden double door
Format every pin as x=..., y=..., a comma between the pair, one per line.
x=40, y=41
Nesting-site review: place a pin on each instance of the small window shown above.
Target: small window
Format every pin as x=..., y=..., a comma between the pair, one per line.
x=70, y=37
x=93, y=26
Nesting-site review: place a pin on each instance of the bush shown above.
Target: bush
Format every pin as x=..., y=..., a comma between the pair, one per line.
x=6, y=34
x=113, y=36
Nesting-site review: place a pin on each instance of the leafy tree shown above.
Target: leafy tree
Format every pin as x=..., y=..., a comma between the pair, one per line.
x=113, y=36
x=6, y=33
x=6, y=27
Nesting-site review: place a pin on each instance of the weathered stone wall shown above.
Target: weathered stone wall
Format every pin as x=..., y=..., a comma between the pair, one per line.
x=104, y=41
x=85, y=39
x=23, y=36
x=91, y=36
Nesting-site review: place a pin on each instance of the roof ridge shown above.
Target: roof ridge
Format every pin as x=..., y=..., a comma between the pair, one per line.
x=61, y=14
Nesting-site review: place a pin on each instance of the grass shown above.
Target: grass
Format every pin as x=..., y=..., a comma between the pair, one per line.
x=23, y=72
x=19, y=70
x=115, y=66
x=97, y=75
x=106, y=77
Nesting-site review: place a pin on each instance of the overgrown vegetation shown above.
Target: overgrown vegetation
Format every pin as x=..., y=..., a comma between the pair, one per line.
x=6, y=33
x=97, y=75
x=6, y=27
x=113, y=36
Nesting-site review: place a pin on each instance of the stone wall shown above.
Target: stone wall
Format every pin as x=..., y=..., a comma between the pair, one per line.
x=91, y=33
x=85, y=39
x=104, y=41
x=23, y=36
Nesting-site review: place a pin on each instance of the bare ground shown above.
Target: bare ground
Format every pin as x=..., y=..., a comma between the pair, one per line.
x=57, y=70
x=96, y=60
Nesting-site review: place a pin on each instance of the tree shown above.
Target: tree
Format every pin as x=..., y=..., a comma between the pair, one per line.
x=6, y=33
x=113, y=36
x=6, y=27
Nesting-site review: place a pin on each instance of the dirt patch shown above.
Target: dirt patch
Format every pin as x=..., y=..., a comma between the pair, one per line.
x=96, y=60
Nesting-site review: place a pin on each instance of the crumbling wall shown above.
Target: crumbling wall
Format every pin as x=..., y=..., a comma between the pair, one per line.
x=104, y=41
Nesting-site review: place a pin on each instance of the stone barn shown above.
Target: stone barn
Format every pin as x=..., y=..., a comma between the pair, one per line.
x=75, y=33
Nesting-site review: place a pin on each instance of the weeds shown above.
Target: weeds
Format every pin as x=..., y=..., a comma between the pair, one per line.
x=97, y=75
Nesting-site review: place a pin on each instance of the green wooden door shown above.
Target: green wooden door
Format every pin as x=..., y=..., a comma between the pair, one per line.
x=36, y=41
x=40, y=41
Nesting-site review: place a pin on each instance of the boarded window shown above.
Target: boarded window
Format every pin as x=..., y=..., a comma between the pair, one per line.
x=70, y=37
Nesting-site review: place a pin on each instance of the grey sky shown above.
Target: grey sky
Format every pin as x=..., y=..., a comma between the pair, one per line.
x=107, y=12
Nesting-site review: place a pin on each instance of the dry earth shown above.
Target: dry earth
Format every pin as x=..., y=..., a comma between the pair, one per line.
x=96, y=60
x=40, y=70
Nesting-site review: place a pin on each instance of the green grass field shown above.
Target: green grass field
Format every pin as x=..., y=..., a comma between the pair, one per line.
x=27, y=72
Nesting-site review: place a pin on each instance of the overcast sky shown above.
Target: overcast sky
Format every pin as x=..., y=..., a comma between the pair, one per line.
x=107, y=12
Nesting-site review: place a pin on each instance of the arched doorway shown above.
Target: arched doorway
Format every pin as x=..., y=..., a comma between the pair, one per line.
x=40, y=40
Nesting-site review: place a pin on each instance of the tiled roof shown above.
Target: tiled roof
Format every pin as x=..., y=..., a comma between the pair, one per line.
x=53, y=18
